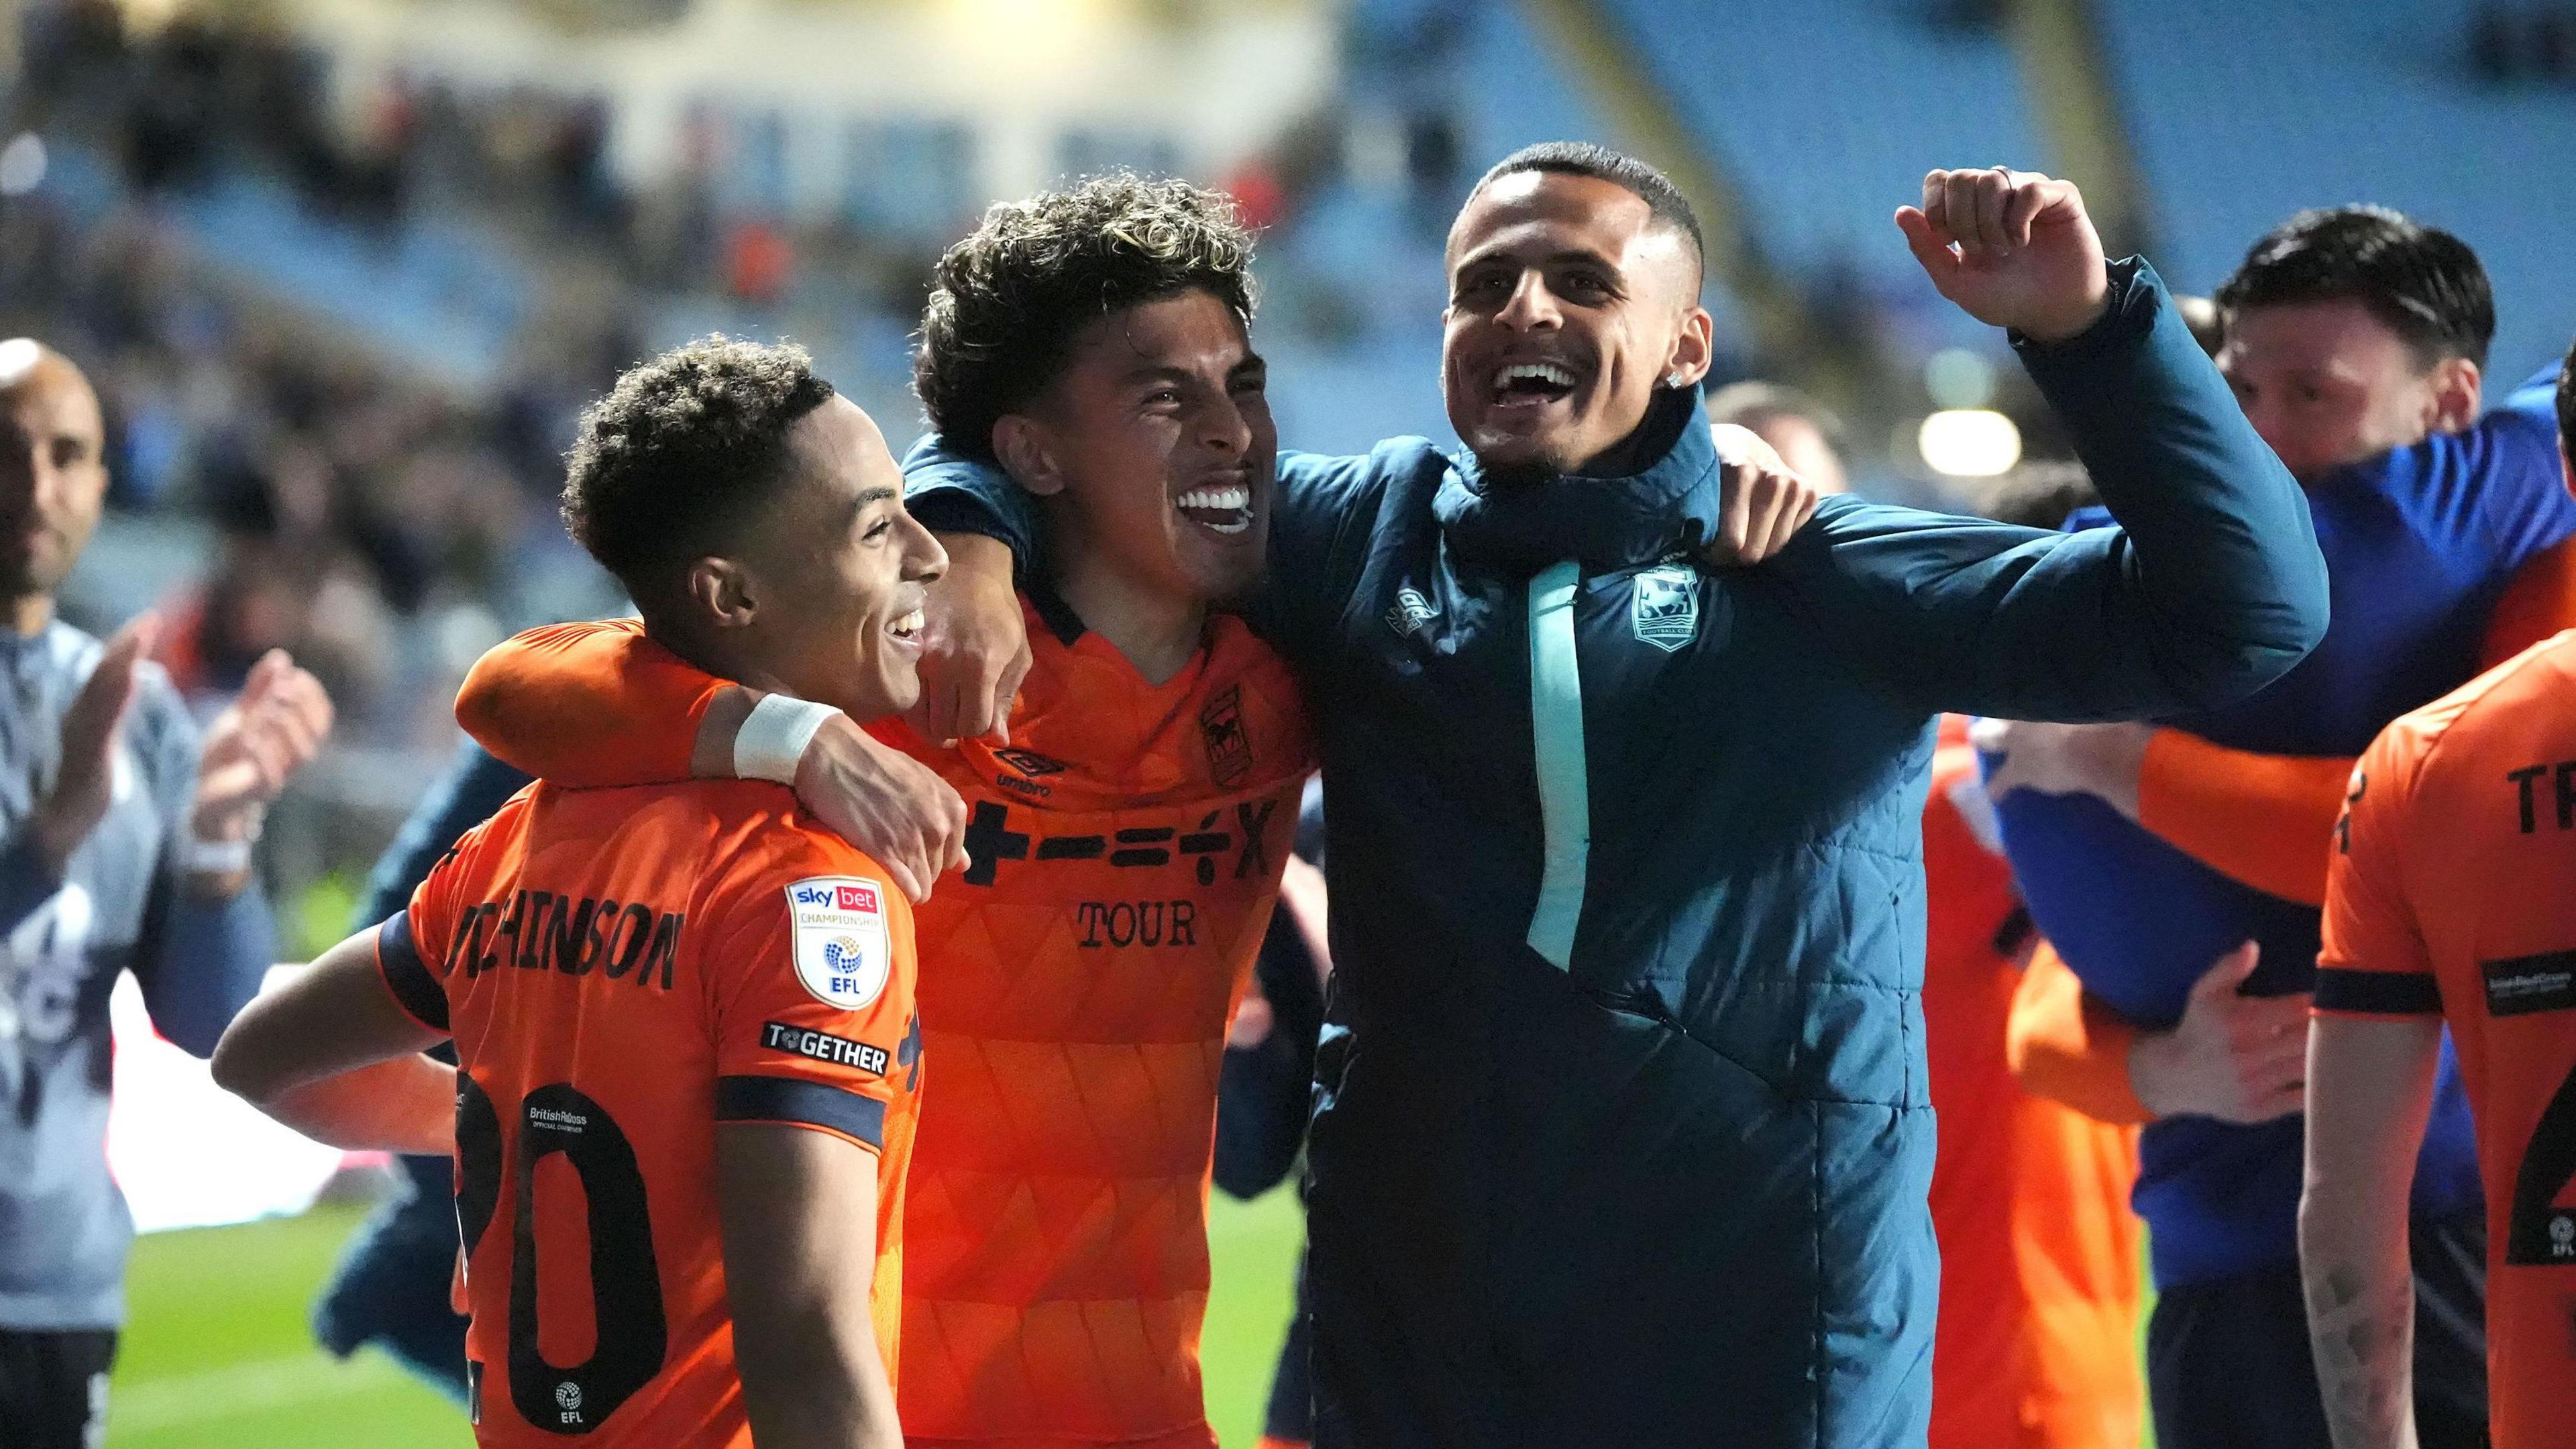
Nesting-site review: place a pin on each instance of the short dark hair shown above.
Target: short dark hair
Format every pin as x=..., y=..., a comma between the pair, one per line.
x=1754, y=401
x=1006, y=302
x=680, y=453
x=2423, y=282
x=1664, y=201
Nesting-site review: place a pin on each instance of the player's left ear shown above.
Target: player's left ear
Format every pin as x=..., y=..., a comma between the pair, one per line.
x=1027, y=453
x=2453, y=401
x=721, y=593
x=1693, y=349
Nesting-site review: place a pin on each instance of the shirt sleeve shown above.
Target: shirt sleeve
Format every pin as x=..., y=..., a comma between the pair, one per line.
x=198, y=960
x=2262, y=820
x=2509, y=467
x=2539, y=602
x=414, y=946
x=2374, y=962
x=588, y=705
x=2067, y=1047
x=811, y=1001
x=2210, y=588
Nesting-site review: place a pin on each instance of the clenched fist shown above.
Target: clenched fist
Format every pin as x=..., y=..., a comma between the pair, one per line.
x=2012, y=248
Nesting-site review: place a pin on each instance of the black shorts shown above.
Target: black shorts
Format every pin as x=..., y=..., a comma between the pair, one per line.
x=53, y=1388
x=2228, y=1364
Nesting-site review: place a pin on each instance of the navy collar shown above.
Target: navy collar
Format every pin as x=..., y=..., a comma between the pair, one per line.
x=1602, y=523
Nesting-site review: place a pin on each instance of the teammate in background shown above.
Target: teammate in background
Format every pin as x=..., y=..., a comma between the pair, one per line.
x=694, y=994
x=1808, y=437
x=1267, y=1089
x=127, y=848
x=2041, y=1287
x=2354, y=340
x=391, y=1285
x=2447, y=902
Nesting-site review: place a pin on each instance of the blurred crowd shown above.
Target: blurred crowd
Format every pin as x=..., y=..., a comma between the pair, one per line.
x=274, y=483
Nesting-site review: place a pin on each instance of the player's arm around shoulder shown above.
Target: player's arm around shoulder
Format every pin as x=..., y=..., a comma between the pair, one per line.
x=817, y=1055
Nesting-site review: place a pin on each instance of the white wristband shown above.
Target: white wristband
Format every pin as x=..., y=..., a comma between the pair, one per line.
x=774, y=735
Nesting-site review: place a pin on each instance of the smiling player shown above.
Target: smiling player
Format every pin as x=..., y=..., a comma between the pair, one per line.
x=1126, y=844
x=688, y=1059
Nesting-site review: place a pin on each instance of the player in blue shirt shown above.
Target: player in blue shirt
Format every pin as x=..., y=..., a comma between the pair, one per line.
x=2354, y=340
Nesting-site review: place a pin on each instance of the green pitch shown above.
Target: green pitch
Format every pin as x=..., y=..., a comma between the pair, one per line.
x=218, y=1356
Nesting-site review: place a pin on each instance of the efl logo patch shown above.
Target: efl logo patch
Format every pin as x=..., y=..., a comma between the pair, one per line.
x=842, y=951
x=1665, y=607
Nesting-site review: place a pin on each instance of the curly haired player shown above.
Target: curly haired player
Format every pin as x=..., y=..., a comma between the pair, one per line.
x=683, y=1014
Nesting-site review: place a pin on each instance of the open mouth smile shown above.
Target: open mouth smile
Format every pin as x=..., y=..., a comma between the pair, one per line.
x=1531, y=384
x=1224, y=508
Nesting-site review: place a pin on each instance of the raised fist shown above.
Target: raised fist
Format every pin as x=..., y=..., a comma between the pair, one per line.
x=2012, y=248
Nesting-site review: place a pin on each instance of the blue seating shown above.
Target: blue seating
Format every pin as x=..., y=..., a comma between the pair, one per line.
x=2243, y=113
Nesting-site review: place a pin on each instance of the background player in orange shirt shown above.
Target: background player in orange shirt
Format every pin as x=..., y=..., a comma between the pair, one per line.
x=2447, y=900
x=683, y=1014
x=2041, y=1283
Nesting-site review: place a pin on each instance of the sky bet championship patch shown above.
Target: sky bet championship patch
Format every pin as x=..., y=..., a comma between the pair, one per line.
x=842, y=953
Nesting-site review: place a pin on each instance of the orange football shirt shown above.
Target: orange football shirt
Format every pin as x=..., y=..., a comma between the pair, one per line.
x=2036, y=1345
x=1126, y=851
x=623, y=970
x=2452, y=890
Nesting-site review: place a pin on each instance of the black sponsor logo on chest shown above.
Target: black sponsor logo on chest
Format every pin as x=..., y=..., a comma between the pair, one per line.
x=991, y=842
x=543, y=931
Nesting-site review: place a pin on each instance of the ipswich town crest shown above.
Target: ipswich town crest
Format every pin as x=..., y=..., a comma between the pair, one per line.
x=1665, y=607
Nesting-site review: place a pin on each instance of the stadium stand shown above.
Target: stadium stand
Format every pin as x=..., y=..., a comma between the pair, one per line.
x=2241, y=114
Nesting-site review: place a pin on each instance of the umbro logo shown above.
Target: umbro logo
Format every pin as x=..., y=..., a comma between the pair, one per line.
x=1411, y=612
x=1029, y=762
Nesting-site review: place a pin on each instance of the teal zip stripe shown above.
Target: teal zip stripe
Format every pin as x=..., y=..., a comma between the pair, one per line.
x=1556, y=730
